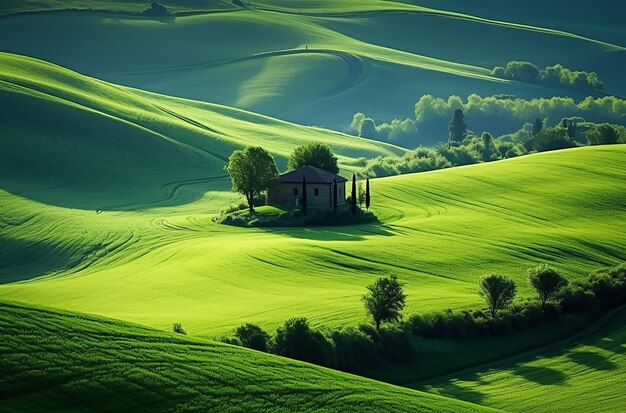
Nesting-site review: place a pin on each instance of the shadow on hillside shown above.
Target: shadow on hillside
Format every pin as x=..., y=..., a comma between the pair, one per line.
x=592, y=360
x=610, y=345
x=357, y=232
x=452, y=389
x=22, y=260
x=541, y=375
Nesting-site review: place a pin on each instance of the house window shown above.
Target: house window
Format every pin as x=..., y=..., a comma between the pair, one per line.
x=316, y=191
x=295, y=191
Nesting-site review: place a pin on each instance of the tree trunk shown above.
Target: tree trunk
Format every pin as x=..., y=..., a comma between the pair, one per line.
x=250, y=198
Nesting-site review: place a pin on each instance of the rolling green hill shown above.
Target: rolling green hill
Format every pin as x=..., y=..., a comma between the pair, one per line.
x=317, y=63
x=108, y=207
x=66, y=362
x=110, y=147
x=583, y=373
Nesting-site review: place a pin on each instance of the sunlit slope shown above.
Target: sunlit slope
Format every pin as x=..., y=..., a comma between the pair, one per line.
x=440, y=231
x=585, y=373
x=319, y=69
x=66, y=362
x=95, y=145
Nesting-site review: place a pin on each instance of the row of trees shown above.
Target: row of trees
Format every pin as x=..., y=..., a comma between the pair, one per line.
x=464, y=148
x=385, y=300
x=499, y=114
x=556, y=75
x=390, y=339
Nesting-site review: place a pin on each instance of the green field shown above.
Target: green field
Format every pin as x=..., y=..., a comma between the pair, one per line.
x=56, y=361
x=119, y=223
x=553, y=379
x=316, y=64
x=114, y=132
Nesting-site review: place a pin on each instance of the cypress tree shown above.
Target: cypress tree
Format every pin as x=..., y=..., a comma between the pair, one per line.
x=304, y=200
x=335, y=195
x=354, y=194
x=457, y=127
x=367, y=194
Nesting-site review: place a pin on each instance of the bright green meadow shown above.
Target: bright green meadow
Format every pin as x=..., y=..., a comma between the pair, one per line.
x=115, y=129
x=119, y=222
x=56, y=361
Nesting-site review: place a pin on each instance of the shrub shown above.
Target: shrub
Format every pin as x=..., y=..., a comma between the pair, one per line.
x=178, y=328
x=252, y=336
x=231, y=340
x=552, y=138
x=354, y=350
x=602, y=134
x=296, y=340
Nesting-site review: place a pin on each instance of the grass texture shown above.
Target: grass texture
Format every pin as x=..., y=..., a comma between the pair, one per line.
x=583, y=373
x=314, y=62
x=109, y=210
x=65, y=362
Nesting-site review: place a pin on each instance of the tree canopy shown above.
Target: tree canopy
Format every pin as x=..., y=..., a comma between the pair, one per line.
x=457, y=127
x=314, y=154
x=385, y=300
x=252, y=170
x=498, y=291
x=547, y=281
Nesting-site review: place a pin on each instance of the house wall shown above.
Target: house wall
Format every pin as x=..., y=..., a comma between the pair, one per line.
x=283, y=194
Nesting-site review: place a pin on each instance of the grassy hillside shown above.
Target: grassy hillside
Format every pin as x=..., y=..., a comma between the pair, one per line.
x=107, y=208
x=584, y=373
x=375, y=57
x=66, y=362
x=110, y=147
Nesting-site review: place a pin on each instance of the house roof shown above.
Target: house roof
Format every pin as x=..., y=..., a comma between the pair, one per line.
x=313, y=175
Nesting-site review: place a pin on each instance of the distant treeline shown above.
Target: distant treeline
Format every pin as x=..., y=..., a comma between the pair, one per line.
x=499, y=114
x=557, y=76
x=533, y=137
x=356, y=349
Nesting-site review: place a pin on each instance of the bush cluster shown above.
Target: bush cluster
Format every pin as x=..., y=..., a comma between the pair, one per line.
x=357, y=349
x=556, y=75
x=295, y=218
x=498, y=114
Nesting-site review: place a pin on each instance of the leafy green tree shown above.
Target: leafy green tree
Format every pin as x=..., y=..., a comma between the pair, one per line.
x=295, y=339
x=602, y=134
x=537, y=126
x=361, y=194
x=385, y=300
x=552, y=138
x=252, y=170
x=522, y=71
x=547, y=281
x=457, y=127
x=498, y=291
x=252, y=336
x=314, y=154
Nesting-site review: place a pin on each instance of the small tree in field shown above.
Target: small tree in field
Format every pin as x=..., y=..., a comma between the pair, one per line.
x=367, y=194
x=385, y=300
x=361, y=194
x=498, y=291
x=252, y=170
x=547, y=281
